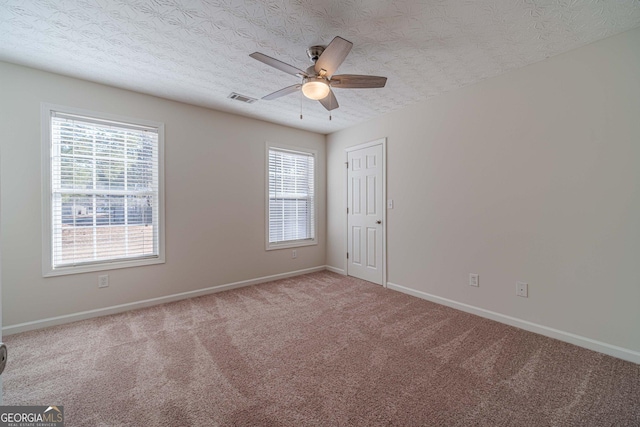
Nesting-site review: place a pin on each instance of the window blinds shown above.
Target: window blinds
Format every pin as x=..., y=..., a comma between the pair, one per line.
x=291, y=196
x=104, y=191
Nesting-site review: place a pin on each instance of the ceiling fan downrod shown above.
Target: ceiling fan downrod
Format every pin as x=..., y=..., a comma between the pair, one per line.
x=314, y=53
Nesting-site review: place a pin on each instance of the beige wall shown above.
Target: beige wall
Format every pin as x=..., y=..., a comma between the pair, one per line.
x=532, y=176
x=215, y=224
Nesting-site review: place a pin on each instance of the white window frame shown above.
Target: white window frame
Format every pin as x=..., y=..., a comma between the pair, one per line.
x=47, y=217
x=291, y=243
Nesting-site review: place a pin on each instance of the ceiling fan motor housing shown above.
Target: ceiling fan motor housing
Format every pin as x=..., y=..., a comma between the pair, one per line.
x=311, y=71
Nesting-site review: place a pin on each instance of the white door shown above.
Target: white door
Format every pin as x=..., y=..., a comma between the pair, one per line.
x=365, y=214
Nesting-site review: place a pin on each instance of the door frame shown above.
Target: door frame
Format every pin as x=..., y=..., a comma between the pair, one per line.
x=383, y=142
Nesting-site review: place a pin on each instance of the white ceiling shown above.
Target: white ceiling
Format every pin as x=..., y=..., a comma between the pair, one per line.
x=198, y=51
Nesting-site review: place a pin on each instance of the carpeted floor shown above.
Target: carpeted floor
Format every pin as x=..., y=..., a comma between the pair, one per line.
x=315, y=350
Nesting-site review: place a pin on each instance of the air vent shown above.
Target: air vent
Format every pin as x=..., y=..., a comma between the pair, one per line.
x=242, y=98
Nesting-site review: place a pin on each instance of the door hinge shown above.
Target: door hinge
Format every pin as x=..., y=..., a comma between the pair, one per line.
x=347, y=255
x=347, y=163
x=347, y=210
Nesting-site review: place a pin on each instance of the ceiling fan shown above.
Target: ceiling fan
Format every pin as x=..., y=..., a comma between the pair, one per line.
x=319, y=78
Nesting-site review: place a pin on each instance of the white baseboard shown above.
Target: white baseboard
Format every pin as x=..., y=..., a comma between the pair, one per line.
x=336, y=270
x=609, y=349
x=74, y=317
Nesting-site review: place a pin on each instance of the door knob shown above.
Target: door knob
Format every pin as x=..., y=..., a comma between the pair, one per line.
x=378, y=222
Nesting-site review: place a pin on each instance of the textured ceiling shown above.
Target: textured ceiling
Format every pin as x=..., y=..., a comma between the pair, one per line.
x=198, y=51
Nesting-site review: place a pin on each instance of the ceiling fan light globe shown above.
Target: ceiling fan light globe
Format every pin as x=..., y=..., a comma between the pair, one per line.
x=315, y=89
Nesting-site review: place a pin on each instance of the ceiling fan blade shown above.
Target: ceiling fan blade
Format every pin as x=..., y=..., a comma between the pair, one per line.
x=333, y=55
x=354, y=81
x=282, y=92
x=329, y=102
x=282, y=66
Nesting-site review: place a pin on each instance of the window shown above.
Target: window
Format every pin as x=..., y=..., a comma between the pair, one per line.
x=291, y=203
x=103, y=198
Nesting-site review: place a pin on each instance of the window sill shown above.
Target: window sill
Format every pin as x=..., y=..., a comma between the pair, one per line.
x=292, y=244
x=89, y=268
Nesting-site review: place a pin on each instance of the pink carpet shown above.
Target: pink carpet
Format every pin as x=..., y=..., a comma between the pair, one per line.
x=315, y=350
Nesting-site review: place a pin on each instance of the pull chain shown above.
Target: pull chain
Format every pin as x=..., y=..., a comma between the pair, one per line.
x=330, y=105
x=300, y=105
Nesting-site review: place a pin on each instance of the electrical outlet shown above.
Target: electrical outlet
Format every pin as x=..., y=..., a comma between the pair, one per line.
x=522, y=289
x=103, y=281
x=474, y=279
x=294, y=254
